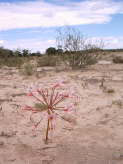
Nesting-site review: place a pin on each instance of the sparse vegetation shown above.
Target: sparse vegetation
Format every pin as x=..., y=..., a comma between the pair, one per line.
x=29, y=69
x=51, y=51
x=98, y=114
x=12, y=61
x=110, y=90
x=78, y=51
x=47, y=61
x=118, y=102
x=118, y=60
x=73, y=49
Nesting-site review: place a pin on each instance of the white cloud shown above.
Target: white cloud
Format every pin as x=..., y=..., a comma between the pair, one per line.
x=42, y=45
x=42, y=14
x=114, y=42
x=1, y=42
x=110, y=42
x=31, y=44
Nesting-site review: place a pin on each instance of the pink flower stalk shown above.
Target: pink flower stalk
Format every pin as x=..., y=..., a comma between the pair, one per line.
x=69, y=108
x=51, y=99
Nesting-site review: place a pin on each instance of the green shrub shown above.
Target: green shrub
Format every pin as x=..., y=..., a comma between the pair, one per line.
x=80, y=59
x=110, y=90
x=47, y=61
x=51, y=51
x=29, y=69
x=11, y=61
x=118, y=59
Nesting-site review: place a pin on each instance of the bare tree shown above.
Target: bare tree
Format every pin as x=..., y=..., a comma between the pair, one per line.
x=78, y=50
x=70, y=39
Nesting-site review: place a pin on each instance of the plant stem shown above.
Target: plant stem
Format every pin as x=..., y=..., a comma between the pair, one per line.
x=47, y=131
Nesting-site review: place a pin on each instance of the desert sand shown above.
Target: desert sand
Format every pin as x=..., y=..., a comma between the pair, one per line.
x=95, y=134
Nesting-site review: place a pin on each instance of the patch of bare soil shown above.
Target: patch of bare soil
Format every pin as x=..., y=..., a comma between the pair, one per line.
x=95, y=135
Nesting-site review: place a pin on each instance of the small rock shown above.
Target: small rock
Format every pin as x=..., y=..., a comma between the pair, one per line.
x=14, y=86
x=1, y=143
x=34, y=135
x=70, y=119
x=115, y=78
x=46, y=161
x=8, y=134
x=106, y=115
x=98, y=109
x=11, y=158
x=23, y=133
x=118, y=156
x=68, y=128
x=118, y=102
x=108, y=90
x=104, y=62
x=50, y=146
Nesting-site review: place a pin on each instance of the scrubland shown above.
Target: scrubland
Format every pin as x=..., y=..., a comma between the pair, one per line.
x=95, y=132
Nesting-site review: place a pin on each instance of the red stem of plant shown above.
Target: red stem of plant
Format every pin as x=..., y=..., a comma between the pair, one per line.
x=44, y=97
x=39, y=99
x=60, y=100
x=55, y=98
x=47, y=131
x=52, y=95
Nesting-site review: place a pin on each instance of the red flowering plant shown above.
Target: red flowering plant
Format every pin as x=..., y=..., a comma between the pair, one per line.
x=51, y=100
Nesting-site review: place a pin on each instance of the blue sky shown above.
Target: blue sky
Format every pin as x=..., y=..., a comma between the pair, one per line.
x=33, y=24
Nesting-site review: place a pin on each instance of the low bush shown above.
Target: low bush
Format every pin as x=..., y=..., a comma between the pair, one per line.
x=47, y=61
x=12, y=61
x=81, y=59
x=29, y=69
x=118, y=59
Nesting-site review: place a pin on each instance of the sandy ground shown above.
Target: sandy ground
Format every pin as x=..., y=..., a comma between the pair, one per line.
x=94, y=137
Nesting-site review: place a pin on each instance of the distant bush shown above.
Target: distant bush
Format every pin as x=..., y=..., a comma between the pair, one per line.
x=29, y=69
x=36, y=54
x=89, y=58
x=81, y=59
x=12, y=61
x=78, y=51
x=25, y=52
x=5, y=52
x=118, y=59
x=51, y=51
x=47, y=61
x=17, y=53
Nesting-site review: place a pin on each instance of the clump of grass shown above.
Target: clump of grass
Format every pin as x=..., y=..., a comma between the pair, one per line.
x=118, y=103
x=110, y=90
x=118, y=60
x=29, y=69
x=47, y=61
x=17, y=94
x=12, y=62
